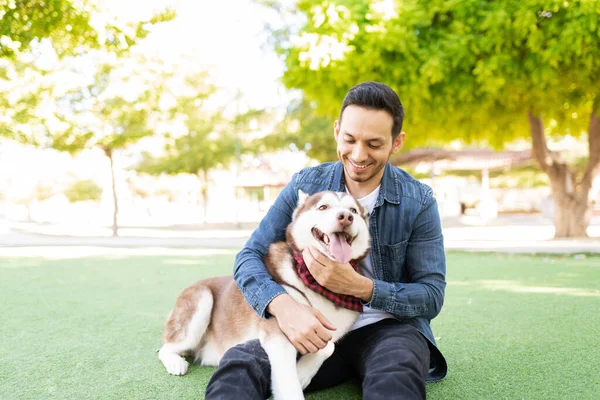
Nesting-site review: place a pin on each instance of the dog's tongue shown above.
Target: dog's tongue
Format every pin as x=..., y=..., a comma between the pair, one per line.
x=339, y=248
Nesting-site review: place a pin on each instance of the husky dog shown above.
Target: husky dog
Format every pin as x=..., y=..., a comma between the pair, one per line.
x=212, y=315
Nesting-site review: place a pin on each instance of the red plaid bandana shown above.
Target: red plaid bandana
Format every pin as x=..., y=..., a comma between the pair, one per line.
x=342, y=300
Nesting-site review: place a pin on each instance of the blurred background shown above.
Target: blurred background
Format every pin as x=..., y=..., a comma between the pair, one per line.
x=183, y=120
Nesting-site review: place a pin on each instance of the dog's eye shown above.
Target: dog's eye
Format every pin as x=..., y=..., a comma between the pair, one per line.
x=353, y=211
x=323, y=207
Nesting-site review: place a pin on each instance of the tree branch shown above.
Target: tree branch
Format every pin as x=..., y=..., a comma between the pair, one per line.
x=539, y=146
x=594, y=146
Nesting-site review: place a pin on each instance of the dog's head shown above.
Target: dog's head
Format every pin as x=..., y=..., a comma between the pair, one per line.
x=333, y=222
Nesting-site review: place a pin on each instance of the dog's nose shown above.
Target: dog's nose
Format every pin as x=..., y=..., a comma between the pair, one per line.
x=345, y=218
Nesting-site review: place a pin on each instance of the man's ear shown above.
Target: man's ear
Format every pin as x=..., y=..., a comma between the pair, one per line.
x=398, y=142
x=301, y=197
x=336, y=129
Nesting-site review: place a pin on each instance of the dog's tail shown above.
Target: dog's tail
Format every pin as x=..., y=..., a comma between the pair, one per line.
x=185, y=328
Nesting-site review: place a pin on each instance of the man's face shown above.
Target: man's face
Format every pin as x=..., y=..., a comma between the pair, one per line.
x=364, y=145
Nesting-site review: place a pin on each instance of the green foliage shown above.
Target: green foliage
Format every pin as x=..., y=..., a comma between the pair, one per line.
x=43, y=192
x=84, y=190
x=203, y=146
x=32, y=91
x=467, y=70
x=68, y=24
x=110, y=113
x=23, y=90
x=210, y=139
x=99, y=115
x=305, y=129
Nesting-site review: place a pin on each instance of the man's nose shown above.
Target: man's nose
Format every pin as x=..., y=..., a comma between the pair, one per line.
x=358, y=153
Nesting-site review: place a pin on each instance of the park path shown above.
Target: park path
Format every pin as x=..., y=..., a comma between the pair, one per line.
x=517, y=234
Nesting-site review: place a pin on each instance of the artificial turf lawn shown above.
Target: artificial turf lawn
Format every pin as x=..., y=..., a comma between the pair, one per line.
x=512, y=327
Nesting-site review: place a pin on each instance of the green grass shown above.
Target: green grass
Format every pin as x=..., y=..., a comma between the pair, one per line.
x=513, y=327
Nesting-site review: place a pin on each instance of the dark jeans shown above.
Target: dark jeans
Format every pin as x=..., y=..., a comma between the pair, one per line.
x=389, y=357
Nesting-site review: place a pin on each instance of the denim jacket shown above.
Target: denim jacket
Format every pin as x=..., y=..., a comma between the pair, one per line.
x=407, y=249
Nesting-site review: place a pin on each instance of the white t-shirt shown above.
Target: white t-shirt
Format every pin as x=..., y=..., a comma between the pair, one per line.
x=369, y=315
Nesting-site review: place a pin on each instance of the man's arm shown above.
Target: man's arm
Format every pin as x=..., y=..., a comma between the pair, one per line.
x=305, y=327
x=426, y=263
x=249, y=272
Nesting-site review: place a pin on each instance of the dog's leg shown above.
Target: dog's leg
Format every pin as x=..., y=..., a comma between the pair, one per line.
x=169, y=354
x=309, y=364
x=282, y=357
x=190, y=331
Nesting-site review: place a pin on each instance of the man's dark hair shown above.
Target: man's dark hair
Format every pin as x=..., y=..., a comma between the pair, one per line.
x=376, y=96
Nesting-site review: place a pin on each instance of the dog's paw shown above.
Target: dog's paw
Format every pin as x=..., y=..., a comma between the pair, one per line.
x=174, y=363
x=328, y=350
x=309, y=365
x=305, y=378
x=176, y=366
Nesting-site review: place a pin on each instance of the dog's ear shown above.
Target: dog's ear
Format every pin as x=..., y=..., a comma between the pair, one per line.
x=301, y=197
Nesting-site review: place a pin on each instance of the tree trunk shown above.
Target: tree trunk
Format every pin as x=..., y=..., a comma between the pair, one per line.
x=572, y=213
x=29, y=211
x=203, y=177
x=115, y=225
x=572, y=208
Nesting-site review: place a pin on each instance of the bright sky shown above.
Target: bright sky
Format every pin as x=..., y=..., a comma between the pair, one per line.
x=224, y=36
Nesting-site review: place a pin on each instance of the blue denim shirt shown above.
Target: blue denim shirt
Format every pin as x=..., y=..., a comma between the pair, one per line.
x=407, y=249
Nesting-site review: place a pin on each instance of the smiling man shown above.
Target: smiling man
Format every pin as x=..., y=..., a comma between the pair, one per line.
x=364, y=146
x=401, y=284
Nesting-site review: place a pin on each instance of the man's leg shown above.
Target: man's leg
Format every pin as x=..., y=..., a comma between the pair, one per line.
x=244, y=372
x=391, y=358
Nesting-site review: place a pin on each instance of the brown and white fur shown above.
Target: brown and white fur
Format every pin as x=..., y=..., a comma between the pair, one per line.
x=212, y=315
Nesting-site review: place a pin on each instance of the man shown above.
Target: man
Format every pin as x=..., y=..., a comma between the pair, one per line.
x=391, y=348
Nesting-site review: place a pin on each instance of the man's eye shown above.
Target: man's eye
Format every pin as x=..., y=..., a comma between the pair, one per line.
x=374, y=147
x=323, y=207
x=353, y=211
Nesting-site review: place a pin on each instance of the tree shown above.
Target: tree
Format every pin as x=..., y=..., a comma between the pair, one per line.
x=23, y=89
x=46, y=96
x=209, y=139
x=302, y=128
x=69, y=25
x=107, y=114
x=484, y=72
x=38, y=194
x=84, y=190
x=40, y=42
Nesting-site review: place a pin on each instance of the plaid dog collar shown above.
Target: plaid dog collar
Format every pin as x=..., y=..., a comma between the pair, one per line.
x=341, y=300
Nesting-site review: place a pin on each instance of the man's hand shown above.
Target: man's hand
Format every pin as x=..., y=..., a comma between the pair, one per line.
x=337, y=277
x=305, y=327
